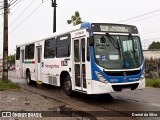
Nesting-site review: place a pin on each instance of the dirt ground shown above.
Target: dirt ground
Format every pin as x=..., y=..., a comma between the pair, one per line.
x=22, y=100
x=52, y=103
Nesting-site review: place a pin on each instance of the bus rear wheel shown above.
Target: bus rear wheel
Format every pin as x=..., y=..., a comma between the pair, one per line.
x=67, y=86
x=28, y=79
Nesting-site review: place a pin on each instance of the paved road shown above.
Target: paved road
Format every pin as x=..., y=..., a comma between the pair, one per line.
x=140, y=100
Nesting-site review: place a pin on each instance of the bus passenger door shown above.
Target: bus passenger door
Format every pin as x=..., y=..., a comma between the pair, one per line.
x=38, y=63
x=79, y=64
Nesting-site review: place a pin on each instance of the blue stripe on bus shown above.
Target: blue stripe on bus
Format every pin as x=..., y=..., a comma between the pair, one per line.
x=120, y=79
x=87, y=25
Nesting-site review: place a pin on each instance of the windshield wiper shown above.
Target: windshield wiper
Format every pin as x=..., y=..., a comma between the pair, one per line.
x=114, y=42
x=132, y=44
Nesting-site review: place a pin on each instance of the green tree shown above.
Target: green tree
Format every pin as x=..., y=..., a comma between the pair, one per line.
x=11, y=59
x=154, y=45
x=75, y=19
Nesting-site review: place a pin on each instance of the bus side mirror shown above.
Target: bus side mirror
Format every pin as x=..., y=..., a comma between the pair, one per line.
x=91, y=40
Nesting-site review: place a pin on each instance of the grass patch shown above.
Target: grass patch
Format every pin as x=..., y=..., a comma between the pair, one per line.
x=8, y=85
x=153, y=83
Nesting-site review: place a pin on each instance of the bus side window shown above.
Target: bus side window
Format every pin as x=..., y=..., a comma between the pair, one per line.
x=50, y=48
x=26, y=52
x=18, y=53
x=63, y=46
x=63, y=51
x=31, y=51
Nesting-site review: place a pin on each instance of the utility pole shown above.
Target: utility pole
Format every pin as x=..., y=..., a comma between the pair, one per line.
x=54, y=4
x=5, y=42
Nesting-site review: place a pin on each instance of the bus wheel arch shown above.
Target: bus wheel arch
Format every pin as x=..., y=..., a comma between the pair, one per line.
x=28, y=77
x=65, y=81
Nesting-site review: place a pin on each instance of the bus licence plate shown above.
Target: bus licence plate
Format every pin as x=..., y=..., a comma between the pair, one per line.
x=126, y=89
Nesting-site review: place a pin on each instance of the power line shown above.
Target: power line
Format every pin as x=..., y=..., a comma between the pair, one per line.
x=10, y=2
x=17, y=6
x=158, y=38
x=151, y=29
x=22, y=13
x=150, y=32
x=28, y=16
x=139, y=16
x=9, y=5
x=13, y=3
x=144, y=18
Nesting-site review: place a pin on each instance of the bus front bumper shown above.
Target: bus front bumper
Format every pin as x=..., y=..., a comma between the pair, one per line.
x=96, y=87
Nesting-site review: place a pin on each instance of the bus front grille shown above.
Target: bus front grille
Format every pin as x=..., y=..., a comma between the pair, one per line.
x=121, y=73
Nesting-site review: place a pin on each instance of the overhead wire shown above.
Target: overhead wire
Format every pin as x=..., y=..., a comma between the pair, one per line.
x=150, y=32
x=142, y=15
x=144, y=18
x=28, y=16
x=12, y=6
x=118, y=22
x=139, y=16
x=21, y=13
x=17, y=6
x=12, y=3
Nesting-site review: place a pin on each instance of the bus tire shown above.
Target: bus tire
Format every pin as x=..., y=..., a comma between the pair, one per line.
x=28, y=78
x=67, y=86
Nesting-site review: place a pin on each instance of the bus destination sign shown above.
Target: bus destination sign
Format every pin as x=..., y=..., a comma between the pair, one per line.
x=115, y=28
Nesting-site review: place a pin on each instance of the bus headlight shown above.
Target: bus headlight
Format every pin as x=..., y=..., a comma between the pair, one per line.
x=101, y=78
x=143, y=75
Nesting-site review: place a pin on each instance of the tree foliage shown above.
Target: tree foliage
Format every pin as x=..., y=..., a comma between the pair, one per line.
x=75, y=19
x=11, y=59
x=154, y=45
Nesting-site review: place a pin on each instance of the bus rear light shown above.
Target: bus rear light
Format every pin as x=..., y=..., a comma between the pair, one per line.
x=101, y=78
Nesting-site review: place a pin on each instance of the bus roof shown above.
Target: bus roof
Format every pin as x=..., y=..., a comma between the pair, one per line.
x=65, y=31
x=96, y=27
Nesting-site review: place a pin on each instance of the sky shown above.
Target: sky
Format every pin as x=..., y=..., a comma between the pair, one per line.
x=30, y=20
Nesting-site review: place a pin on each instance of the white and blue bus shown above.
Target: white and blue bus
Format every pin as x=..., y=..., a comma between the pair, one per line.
x=93, y=58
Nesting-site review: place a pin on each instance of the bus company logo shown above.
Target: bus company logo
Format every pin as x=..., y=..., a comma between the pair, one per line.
x=64, y=63
x=51, y=66
x=124, y=73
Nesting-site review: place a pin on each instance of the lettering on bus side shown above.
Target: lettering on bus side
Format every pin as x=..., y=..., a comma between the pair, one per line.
x=51, y=66
x=79, y=33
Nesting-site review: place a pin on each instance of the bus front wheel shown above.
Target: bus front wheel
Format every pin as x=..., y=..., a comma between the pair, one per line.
x=67, y=86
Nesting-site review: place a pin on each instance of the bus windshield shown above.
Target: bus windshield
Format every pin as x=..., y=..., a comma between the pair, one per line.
x=117, y=51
